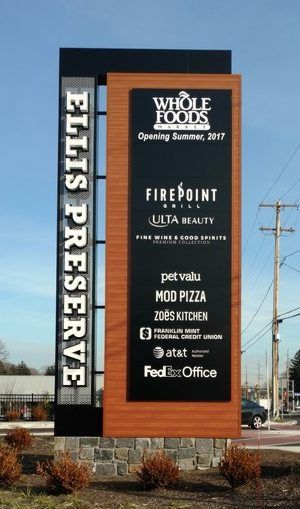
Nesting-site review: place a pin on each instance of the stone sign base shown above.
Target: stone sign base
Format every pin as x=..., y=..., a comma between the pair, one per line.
x=120, y=456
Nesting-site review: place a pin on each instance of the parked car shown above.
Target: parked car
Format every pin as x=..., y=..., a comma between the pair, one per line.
x=253, y=414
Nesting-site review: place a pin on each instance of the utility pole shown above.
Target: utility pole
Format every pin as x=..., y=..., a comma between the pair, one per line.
x=287, y=382
x=268, y=390
x=246, y=382
x=258, y=381
x=277, y=230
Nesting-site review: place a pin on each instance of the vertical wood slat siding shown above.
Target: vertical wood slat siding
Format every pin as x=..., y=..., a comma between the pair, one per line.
x=153, y=419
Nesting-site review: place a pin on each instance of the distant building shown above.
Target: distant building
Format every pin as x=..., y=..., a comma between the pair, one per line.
x=27, y=384
x=37, y=384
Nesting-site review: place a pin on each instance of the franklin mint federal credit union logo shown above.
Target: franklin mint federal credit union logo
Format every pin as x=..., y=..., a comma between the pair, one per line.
x=182, y=113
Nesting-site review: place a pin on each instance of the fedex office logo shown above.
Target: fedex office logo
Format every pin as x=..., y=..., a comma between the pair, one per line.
x=186, y=372
x=182, y=113
x=164, y=372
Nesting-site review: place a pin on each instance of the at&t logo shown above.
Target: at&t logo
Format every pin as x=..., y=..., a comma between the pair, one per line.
x=159, y=352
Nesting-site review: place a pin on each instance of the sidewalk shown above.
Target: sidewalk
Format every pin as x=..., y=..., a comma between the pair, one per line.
x=43, y=427
x=50, y=425
x=282, y=435
x=281, y=423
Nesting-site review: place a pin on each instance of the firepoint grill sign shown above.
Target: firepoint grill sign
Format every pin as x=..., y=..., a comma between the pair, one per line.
x=180, y=245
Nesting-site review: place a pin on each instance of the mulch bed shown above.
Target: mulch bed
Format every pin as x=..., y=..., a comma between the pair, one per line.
x=200, y=489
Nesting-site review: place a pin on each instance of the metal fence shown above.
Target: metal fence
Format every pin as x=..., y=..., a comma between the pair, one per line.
x=15, y=407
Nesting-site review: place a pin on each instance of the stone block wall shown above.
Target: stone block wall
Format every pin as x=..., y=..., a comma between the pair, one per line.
x=120, y=456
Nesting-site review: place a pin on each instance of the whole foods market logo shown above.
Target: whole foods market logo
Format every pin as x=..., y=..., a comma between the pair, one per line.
x=182, y=113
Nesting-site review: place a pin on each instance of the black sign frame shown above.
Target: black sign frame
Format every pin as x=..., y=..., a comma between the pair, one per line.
x=86, y=420
x=180, y=173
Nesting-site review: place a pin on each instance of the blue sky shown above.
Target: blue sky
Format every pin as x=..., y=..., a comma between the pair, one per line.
x=264, y=38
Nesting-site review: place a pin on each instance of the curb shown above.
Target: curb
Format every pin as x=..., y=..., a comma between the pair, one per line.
x=27, y=425
x=285, y=423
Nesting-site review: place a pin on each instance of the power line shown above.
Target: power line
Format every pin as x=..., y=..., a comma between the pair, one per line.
x=291, y=254
x=281, y=314
x=268, y=192
x=251, y=231
x=257, y=334
x=257, y=212
x=269, y=323
x=259, y=307
x=288, y=216
x=255, y=258
x=289, y=266
x=260, y=337
x=290, y=311
x=291, y=188
x=281, y=172
x=258, y=277
x=292, y=316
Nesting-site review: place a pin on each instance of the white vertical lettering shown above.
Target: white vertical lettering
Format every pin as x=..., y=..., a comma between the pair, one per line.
x=80, y=101
x=76, y=375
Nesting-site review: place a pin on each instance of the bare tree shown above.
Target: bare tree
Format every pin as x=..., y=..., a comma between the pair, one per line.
x=50, y=370
x=3, y=351
x=23, y=369
x=295, y=370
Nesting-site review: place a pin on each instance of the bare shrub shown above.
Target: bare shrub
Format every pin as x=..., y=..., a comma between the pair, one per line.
x=39, y=413
x=19, y=438
x=10, y=466
x=64, y=475
x=158, y=471
x=239, y=466
x=12, y=415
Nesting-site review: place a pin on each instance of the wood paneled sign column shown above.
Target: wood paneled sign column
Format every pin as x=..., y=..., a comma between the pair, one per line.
x=172, y=362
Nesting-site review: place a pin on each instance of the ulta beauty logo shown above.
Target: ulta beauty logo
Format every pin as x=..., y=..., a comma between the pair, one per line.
x=183, y=113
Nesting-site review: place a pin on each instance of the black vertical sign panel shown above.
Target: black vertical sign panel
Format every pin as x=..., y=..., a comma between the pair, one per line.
x=76, y=241
x=180, y=245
